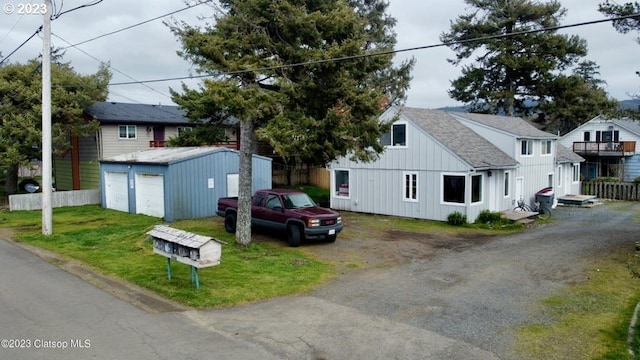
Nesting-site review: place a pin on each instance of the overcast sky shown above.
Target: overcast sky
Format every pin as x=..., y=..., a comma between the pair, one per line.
x=148, y=52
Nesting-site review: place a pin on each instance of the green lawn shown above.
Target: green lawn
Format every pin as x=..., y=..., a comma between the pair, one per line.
x=115, y=243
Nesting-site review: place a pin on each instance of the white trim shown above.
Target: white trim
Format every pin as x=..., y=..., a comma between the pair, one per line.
x=404, y=184
x=335, y=187
x=466, y=198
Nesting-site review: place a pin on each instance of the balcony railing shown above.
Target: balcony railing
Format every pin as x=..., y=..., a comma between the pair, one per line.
x=156, y=143
x=620, y=148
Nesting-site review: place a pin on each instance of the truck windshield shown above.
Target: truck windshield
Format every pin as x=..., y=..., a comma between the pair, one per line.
x=295, y=201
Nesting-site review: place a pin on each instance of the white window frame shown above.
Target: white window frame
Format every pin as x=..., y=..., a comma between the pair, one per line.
x=127, y=132
x=576, y=173
x=442, y=200
x=406, y=136
x=336, y=186
x=506, y=191
x=529, y=148
x=407, y=177
x=559, y=177
x=545, y=148
x=481, y=183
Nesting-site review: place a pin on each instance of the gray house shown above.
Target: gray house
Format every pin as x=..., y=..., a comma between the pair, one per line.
x=176, y=183
x=436, y=163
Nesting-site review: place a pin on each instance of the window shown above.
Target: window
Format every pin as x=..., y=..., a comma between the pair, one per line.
x=453, y=189
x=587, y=136
x=559, y=177
x=546, y=147
x=476, y=188
x=273, y=201
x=397, y=137
x=526, y=147
x=410, y=186
x=576, y=173
x=183, y=129
x=126, y=131
x=506, y=184
x=341, y=178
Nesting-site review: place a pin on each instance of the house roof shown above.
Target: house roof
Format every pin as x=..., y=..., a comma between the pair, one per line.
x=459, y=139
x=509, y=124
x=113, y=112
x=164, y=156
x=565, y=155
x=628, y=124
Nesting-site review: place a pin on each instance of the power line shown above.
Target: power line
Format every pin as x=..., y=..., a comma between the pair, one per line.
x=111, y=67
x=138, y=24
x=381, y=53
x=21, y=45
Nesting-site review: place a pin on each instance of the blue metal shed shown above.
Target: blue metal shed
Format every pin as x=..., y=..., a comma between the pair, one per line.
x=176, y=183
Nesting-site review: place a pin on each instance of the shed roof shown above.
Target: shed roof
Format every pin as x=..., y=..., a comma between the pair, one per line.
x=459, y=139
x=165, y=156
x=509, y=124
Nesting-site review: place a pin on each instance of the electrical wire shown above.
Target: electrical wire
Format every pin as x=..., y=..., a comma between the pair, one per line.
x=4, y=59
x=381, y=53
x=139, y=24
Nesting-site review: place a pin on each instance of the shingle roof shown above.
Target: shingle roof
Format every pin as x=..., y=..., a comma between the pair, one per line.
x=110, y=112
x=459, y=139
x=513, y=125
x=565, y=155
x=629, y=124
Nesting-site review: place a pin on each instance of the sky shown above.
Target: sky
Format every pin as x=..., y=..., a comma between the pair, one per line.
x=148, y=51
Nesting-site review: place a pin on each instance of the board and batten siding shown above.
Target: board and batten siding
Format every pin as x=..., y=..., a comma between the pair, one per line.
x=537, y=170
x=377, y=187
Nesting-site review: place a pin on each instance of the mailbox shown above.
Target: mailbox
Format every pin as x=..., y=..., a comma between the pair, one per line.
x=195, y=250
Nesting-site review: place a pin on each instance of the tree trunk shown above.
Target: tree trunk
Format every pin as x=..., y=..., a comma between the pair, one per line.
x=11, y=184
x=243, y=221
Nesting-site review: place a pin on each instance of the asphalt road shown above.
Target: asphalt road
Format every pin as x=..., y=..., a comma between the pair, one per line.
x=462, y=300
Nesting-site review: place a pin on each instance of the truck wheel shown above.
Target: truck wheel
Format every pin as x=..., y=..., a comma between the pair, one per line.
x=294, y=235
x=230, y=222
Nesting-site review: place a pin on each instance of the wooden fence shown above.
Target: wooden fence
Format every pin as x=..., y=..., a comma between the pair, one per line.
x=612, y=190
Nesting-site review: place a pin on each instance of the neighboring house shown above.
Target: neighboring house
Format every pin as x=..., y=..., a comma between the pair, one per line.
x=436, y=163
x=123, y=128
x=177, y=182
x=608, y=146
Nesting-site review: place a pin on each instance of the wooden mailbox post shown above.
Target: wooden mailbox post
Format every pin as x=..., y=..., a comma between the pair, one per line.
x=195, y=250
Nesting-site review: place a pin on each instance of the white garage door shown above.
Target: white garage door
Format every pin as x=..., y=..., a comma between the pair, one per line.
x=150, y=194
x=115, y=191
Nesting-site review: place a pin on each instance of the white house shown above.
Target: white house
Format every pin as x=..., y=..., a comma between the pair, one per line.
x=609, y=147
x=436, y=163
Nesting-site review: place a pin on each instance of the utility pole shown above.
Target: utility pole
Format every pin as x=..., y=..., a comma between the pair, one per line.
x=47, y=168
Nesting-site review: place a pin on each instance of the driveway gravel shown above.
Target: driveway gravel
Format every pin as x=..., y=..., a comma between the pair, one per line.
x=479, y=290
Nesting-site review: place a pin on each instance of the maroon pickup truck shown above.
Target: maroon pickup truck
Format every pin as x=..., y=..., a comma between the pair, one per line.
x=287, y=210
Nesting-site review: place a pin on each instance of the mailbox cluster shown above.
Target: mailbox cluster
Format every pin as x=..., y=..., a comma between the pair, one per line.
x=195, y=250
x=185, y=247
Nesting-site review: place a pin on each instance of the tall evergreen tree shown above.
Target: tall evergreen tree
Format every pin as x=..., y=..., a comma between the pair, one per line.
x=273, y=65
x=508, y=69
x=21, y=110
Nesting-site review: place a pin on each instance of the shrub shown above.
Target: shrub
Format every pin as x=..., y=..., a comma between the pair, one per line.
x=456, y=219
x=488, y=217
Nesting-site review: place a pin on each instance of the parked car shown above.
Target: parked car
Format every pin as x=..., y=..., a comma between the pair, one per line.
x=287, y=210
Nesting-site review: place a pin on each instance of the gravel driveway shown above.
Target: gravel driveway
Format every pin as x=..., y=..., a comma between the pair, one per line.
x=478, y=290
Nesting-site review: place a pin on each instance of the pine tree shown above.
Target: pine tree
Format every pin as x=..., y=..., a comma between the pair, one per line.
x=273, y=66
